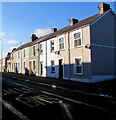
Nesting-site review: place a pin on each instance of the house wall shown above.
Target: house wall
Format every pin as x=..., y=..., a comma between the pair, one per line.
x=52, y=56
x=103, y=58
x=26, y=60
x=80, y=52
x=43, y=59
x=19, y=61
x=13, y=61
x=34, y=58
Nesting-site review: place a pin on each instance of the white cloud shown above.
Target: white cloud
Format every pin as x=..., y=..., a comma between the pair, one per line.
x=12, y=41
x=12, y=34
x=2, y=34
x=41, y=32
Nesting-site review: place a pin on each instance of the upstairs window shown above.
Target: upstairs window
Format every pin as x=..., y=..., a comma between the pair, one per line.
x=78, y=66
x=18, y=54
x=34, y=50
x=52, y=66
x=77, y=39
x=41, y=48
x=52, y=45
x=61, y=43
x=24, y=53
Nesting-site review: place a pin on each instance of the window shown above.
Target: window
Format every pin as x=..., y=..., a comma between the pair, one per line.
x=77, y=39
x=52, y=45
x=12, y=56
x=41, y=48
x=78, y=66
x=24, y=65
x=12, y=66
x=34, y=65
x=52, y=66
x=61, y=43
x=34, y=51
x=24, y=53
x=18, y=54
x=18, y=66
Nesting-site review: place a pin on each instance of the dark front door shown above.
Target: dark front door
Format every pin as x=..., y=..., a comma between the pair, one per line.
x=41, y=68
x=61, y=68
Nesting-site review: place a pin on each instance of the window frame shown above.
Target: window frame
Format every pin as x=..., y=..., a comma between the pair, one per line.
x=78, y=32
x=34, y=50
x=75, y=66
x=40, y=48
x=24, y=53
x=61, y=43
x=52, y=46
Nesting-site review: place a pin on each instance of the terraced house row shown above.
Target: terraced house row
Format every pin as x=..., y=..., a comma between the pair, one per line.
x=83, y=51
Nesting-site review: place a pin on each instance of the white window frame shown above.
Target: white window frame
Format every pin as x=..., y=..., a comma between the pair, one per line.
x=76, y=32
x=60, y=43
x=18, y=54
x=24, y=55
x=33, y=50
x=41, y=49
x=52, y=46
x=78, y=65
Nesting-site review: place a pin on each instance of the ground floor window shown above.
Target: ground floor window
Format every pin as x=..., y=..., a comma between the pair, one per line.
x=78, y=66
x=52, y=66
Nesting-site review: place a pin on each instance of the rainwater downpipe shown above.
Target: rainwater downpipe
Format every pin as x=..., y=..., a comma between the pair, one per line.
x=46, y=57
x=68, y=55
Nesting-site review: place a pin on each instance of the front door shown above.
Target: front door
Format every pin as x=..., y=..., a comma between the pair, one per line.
x=61, y=68
x=41, y=68
x=30, y=67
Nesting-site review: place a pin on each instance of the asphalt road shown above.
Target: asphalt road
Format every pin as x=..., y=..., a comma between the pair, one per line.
x=47, y=101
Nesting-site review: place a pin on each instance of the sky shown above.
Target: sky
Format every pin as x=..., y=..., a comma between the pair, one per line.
x=21, y=19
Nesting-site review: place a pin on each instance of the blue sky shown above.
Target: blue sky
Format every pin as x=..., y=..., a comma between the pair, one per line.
x=21, y=19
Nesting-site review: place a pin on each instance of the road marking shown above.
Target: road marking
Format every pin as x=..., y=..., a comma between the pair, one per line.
x=15, y=111
x=75, y=101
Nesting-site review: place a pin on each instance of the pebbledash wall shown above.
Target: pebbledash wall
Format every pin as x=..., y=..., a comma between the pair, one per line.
x=83, y=51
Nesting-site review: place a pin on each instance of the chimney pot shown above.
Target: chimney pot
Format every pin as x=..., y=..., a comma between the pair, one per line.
x=54, y=30
x=103, y=7
x=73, y=21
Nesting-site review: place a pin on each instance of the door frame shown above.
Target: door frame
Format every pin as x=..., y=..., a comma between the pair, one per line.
x=59, y=67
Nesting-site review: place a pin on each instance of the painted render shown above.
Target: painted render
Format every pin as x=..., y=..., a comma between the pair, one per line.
x=34, y=58
x=104, y=57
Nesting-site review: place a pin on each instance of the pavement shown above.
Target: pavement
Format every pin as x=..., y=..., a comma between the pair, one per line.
x=105, y=88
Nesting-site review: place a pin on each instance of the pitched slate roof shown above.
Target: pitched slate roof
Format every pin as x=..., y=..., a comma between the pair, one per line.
x=75, y=26
x=62, y=31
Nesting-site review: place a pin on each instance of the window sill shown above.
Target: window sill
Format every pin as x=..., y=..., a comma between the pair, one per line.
x=79, y=74
x=78, y=46
x=53, y=72
x=62, y=50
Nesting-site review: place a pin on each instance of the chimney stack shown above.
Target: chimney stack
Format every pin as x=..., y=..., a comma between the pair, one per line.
x=103, y=7
x=34, y=37
x=73, y=21
x=54, y=30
